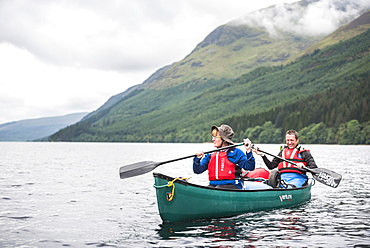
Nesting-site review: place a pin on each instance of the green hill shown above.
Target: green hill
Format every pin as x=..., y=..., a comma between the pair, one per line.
x=326, y=87
x=229, y=52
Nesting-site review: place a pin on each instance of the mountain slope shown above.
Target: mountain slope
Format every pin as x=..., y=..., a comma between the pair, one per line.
x=181, y=101
x=240, y=46
x=32, y=129
x=116, y=98
x=268, y=37
x=230, y=51
x=184, y=114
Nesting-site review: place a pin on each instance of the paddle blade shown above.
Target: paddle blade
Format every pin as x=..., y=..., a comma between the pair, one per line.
x=326, y=176
x=136, y=169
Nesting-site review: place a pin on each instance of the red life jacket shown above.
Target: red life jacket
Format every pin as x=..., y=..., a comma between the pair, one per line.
x=291, y=155
x=220, y=167
x=258, y=173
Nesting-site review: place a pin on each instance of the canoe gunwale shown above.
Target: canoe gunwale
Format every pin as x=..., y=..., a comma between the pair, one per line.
x=186, y=183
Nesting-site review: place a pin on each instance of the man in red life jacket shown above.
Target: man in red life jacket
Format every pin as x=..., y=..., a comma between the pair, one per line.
x=291, y=174
x=224, y=167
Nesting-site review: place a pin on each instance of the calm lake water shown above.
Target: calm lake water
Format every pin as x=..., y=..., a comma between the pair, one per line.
x=70, y=194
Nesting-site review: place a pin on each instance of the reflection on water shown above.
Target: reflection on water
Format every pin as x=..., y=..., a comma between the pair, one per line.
x=287, y=228
x=313, y=223
x=268, y=226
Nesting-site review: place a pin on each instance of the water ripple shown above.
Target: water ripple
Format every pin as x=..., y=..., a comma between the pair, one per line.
x=70, y=194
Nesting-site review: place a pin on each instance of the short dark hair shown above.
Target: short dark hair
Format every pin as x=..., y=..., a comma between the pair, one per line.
x=293, y=132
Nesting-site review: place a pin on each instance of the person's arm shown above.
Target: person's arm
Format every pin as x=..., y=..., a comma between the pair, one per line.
x=270, y=164
x=310, y=162
x=201, y=164
x=245, y=161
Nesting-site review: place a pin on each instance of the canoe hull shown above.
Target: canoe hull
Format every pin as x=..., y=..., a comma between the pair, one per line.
x=191, y=202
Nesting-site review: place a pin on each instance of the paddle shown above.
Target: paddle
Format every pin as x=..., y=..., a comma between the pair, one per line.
x=325, y=176
x=140, y=168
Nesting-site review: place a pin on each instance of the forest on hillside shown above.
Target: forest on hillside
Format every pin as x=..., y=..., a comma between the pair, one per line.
x=325, y=118
x=338, y=115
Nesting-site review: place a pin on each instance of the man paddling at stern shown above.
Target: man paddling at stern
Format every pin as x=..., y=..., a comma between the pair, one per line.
x=293, y=175
x=224, y=166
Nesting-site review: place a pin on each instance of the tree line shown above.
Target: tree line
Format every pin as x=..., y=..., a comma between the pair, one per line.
x=349, y=133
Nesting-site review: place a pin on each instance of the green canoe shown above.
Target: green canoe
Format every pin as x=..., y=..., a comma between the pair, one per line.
x=179, y=200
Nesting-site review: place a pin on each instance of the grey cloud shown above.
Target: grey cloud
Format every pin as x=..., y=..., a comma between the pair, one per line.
x=113, y=38
x=319, y=18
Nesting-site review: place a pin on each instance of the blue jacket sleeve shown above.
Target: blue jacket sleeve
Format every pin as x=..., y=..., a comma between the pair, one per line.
x=201, y=165
x=244, y=161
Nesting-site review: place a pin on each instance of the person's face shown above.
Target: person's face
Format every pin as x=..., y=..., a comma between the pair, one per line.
x=217, y=140
x=291, y=141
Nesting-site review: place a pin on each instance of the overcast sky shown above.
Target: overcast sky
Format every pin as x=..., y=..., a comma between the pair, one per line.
x=66, y=56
